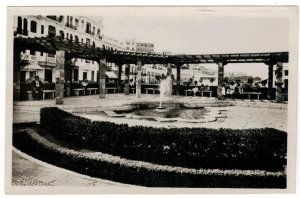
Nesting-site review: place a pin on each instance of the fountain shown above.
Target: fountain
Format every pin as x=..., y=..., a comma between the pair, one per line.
x=165, y=91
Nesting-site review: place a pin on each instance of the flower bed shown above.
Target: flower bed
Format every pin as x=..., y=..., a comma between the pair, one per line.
x=263, y=149
x=118, y=169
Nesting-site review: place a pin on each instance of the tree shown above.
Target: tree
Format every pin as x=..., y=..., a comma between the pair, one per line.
x=250, y=80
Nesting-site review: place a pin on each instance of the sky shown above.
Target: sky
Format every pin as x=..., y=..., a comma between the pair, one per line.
x=196, y=33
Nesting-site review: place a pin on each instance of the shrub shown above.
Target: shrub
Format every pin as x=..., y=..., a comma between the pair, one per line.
x=142, y=173
x=263, y=149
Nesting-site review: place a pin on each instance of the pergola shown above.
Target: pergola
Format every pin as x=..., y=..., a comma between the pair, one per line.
x=66, y=50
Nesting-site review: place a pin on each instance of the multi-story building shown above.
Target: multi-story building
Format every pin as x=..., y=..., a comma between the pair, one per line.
x=75, y=28
x=129, y=45
x=145, y=47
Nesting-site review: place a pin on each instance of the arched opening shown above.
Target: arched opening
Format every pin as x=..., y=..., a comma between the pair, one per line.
x=33, y=25
x=61, y=34
x=51, y=31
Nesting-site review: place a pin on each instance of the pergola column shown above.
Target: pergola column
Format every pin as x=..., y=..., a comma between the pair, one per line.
x=279, y=82
x=270, y=80
x=119, y=78
x=126, y=88
x=178, y=67
x=102, y=77
x=169, y=69
x=220, y=78
x=139, y=79
x=59, y=84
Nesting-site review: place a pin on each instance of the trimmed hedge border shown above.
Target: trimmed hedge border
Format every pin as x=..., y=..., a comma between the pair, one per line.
x=118, y=169
x=263, y=149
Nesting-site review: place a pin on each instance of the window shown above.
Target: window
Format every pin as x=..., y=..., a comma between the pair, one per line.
x=88, y=41
x=84, y=75
x=25, y=31
x=32, y=52
x=76, y=39
x=61, y=34
x=71, y=37
x=51, y=31
x=42, y=54
x=19, y=28
x=82, y=40
x=286, y=72
x=42, y=29
x=76, y=22
x=33, y=26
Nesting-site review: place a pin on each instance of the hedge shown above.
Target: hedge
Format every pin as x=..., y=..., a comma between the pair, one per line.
x=142, y=173
x=263, y=149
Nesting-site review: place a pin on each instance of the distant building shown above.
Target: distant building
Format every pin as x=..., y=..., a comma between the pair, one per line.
x=145, y=47
x=129, y=45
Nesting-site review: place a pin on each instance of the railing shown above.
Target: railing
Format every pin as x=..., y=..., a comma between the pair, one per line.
x=25, y=56
x=33, y=57
x=71, y=26
x=22, y=31
x=51, y=60
x=90, y=32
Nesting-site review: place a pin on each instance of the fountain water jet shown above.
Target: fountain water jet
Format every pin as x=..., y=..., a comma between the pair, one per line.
x=165, y=90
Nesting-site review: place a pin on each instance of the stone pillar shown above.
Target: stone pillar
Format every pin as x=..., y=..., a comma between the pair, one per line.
x=126, y=88
x=102, y=77
x=169, y=69
x=139, y=79
x=119, y=78
x=178, y=67
x=60, y=77
x=279, y=82
x=220, y=79
x=270, y=81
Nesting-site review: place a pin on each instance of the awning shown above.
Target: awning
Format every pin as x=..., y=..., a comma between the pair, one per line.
x=111, y=75
x=32, y=67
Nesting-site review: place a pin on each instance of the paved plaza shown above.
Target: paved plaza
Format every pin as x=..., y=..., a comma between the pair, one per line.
x=28, y=171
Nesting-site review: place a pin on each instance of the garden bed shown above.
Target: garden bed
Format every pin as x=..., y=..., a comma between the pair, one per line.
x=254, y=149
x=98, y=164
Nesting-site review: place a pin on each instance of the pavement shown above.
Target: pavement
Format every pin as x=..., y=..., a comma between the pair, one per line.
x=28, y=171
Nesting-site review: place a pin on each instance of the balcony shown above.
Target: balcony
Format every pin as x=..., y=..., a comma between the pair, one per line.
x=90, y=32
x=55, y=18
x=71, y=26
x=51, y=60
x=25, y=57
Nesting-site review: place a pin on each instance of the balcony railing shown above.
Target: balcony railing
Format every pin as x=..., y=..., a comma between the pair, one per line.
x=90, y=32
x=33, y=57
x=55, y=18
x=51, y=60
x=22, y=31
x=25, y=56
x=71, y=26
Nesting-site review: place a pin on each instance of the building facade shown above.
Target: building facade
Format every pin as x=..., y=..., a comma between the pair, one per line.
x=74, y=28
x=145, y=47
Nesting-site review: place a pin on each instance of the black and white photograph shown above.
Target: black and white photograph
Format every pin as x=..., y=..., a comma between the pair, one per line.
x=110, y=99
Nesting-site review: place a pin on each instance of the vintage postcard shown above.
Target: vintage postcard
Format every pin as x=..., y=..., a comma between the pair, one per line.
x=177, y=100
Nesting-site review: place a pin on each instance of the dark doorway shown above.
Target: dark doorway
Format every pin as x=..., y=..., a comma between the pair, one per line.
x=75, y=74
x=48, y=75
x=51, y=31
x=19, y=28
x=25, y=31
x=93, y=73
x=84, y=75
